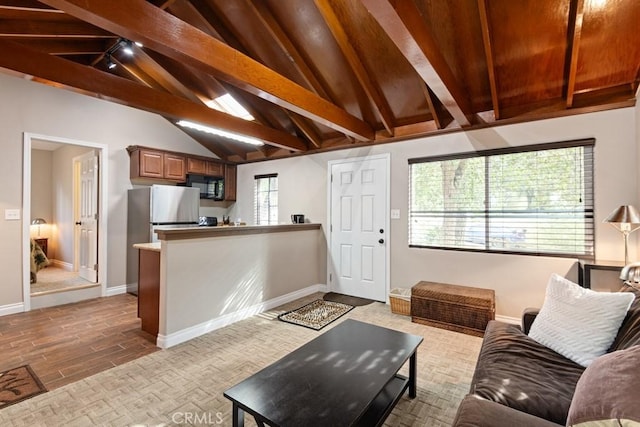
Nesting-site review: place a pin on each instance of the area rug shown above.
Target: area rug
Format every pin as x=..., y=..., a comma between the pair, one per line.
x=317, y=314
x=18, y=384
x=346, y=299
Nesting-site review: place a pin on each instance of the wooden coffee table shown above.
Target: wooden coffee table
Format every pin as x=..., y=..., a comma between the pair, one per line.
x=346, y=376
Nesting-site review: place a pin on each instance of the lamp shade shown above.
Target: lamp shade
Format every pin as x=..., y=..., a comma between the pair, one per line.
x=38, y=221
x=624, y=214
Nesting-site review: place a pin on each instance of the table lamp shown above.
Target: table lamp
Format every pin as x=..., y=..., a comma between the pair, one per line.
x=625, y=219
x=38, y=222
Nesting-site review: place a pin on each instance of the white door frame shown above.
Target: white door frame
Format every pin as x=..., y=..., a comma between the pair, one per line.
x=387, y=225
x=26, y=209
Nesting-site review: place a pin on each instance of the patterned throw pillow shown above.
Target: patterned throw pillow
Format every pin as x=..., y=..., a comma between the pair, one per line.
x=579, y=323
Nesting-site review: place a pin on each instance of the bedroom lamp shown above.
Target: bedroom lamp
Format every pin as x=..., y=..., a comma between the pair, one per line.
x=625, y=219
x=38, y=222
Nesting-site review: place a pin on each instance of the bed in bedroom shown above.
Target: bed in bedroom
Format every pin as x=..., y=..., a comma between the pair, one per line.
x=38, y=260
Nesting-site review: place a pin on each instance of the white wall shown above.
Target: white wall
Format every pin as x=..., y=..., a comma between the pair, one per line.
x=43, y=110
x=519, y=280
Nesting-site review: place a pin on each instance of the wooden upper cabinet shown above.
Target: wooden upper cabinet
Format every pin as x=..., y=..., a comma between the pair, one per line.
x=174, y=167
x=156, y=164
x=230, y=178
x=204, y=167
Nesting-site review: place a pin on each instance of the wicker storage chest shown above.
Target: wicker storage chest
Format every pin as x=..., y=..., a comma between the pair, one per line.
x=456, y=308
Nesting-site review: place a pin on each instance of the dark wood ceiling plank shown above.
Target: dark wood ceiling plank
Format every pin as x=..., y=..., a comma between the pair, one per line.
x=62, y=46
x=368, y=85
x=305, y=127
x=140, y=21
x=401, y=22
x=116, y=89
x=280, y=37
x=26, y=5
x=441, y=116
x=488, y=51
x=576, y=16
x=52, y=28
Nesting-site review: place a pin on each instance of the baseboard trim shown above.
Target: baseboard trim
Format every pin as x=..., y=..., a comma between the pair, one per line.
x=115, y=290
x=11, y=309
x=506, y=319
x=175, y=338
x=64, y=265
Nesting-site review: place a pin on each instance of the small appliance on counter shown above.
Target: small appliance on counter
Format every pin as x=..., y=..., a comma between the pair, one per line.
x=297, y=219
x=208, y=221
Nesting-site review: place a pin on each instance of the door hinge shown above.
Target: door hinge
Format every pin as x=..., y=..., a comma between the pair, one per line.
x=330, y=228
x=95, y=216
x=330, y=277
x=95, y=267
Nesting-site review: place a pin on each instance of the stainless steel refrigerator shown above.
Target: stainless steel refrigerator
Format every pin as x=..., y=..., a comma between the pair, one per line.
x=152, y=207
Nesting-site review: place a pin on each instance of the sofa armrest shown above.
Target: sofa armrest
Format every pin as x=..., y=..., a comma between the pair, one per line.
x=528, y=316
x=477, y=412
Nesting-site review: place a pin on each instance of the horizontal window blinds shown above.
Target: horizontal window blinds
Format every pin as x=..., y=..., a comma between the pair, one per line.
x=534, y=202
x=266, y=199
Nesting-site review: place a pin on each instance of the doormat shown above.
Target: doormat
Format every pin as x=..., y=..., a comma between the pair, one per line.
x=346, y=299
x=18, y=384
x=317, y=314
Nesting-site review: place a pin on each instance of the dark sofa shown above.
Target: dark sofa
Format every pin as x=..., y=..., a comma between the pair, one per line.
x=518, y=381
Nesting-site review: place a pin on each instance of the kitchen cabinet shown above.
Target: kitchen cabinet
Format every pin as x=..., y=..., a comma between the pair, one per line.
x=204, y=167
x=155, y=164
x=149, y=290
x=230, y=178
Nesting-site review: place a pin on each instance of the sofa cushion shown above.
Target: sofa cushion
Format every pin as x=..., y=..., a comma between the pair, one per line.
x=607, y=392
x=579, y=323
x=477, y=412
x=518, y=372
x=629, y=333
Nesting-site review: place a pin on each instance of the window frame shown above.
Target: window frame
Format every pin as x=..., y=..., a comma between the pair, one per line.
x=586, y=142
x=257, y=209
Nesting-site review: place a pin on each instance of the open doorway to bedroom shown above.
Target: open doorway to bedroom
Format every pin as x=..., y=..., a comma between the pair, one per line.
x=62, y=216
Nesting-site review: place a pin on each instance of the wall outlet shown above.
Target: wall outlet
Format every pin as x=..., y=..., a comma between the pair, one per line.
x=395, y=213
x=12, y=214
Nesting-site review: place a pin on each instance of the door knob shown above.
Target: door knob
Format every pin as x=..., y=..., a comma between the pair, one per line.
x=381, y=241
x=78, y=223
x=381, y=231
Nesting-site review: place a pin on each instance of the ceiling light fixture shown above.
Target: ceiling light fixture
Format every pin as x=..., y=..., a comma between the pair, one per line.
x=220, y=132
x=110, y=64
x=127, y=46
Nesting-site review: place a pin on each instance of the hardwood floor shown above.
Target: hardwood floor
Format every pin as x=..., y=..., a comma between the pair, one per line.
x=66, y=343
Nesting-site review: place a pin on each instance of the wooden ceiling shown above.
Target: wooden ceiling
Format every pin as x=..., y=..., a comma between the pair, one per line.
x=328, y=74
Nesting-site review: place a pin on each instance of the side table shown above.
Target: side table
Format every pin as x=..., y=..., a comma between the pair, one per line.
x=585, y=267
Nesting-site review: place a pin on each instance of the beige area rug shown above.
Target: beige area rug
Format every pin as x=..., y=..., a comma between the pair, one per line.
x=56, y=279
x=184, y=384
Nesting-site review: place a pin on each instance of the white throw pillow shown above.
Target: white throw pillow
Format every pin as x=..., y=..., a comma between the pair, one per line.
x=579, y=323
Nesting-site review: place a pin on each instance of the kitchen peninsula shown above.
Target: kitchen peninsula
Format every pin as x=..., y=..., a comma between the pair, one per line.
x=209, y=277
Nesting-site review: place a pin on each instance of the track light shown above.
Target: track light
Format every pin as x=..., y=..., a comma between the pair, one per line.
x=127, y=46
x=110, y=64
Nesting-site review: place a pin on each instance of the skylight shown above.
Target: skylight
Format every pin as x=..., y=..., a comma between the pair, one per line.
x=227, y=104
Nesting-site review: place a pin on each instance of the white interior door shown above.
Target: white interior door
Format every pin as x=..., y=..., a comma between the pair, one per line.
x=87, y=215
x=358, y=227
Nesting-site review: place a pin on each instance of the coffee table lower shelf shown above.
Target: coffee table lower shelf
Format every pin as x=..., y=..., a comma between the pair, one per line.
x=384, y=402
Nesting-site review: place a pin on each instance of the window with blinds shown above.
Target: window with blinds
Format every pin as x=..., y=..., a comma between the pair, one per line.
x=531, y=200
x=266, y=199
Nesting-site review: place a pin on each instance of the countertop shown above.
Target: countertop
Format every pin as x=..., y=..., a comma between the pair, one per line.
x=155, y=246
x=231, y=230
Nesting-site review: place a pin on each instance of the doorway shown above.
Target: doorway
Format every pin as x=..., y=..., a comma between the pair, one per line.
x=73, y=183
x=359, y=227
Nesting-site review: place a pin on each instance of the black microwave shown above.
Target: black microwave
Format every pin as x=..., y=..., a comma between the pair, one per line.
x=210, y=187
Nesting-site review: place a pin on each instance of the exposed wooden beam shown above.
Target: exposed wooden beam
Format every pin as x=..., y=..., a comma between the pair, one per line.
x=372, y=90
x=62, y=46
x=116, y=89
x=576, y=15
x=488, y=53
x=309, y=131
x=140, y=21
x=26, y=5
x=404, y=26
x=53, y=28
x=441, y=116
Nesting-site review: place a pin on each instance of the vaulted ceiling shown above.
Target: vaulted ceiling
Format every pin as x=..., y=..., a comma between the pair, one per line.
x=326, y=74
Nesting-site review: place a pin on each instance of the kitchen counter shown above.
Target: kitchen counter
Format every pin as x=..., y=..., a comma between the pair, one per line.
x=229, y=230
x=197, y=279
